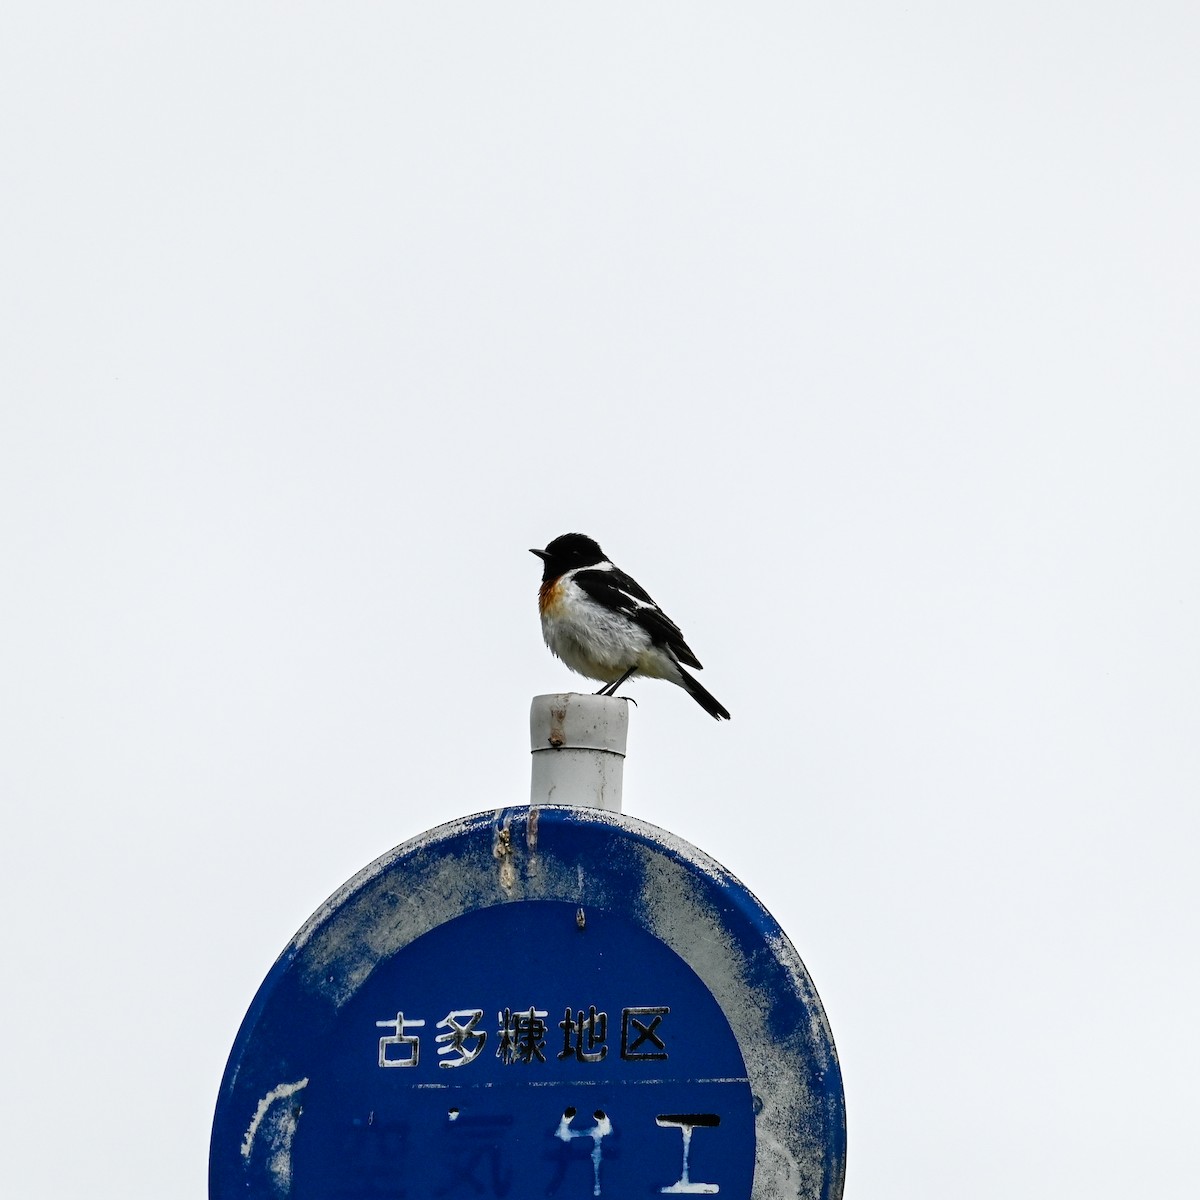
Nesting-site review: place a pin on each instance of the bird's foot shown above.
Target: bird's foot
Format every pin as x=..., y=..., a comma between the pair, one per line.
x=610, y=689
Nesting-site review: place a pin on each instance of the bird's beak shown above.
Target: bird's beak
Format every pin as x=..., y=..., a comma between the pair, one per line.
x=540, y=553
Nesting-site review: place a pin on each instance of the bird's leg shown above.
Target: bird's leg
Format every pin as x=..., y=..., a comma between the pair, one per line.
x=610, y=689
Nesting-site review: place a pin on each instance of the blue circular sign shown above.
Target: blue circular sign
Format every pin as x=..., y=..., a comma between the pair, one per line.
x=536, y=1002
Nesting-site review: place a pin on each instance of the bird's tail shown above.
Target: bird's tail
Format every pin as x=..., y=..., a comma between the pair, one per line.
x=706, y=700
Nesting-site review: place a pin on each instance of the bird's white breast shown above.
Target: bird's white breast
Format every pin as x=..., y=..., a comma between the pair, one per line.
x=588, y=637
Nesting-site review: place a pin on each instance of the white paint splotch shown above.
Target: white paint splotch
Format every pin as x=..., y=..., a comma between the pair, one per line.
x=271, y=1130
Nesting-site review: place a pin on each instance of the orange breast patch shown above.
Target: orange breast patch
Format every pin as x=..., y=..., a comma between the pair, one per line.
x=549, y=595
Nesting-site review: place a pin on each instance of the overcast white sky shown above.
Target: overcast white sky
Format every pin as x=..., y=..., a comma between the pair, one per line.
x=864, y=335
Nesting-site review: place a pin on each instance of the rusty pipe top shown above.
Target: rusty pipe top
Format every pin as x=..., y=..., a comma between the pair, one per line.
x=578, y=747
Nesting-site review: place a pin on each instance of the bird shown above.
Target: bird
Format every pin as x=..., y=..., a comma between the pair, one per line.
x=603, y=624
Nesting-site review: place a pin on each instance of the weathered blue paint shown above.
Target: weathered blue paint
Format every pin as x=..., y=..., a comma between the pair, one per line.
x=555, y=1002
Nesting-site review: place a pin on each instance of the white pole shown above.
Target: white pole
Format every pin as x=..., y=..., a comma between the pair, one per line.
x=578, y=747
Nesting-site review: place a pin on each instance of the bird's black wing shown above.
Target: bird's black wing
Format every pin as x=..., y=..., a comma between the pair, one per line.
x=621, y=593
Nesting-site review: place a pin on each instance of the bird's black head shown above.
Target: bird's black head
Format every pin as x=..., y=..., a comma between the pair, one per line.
x=567, y=552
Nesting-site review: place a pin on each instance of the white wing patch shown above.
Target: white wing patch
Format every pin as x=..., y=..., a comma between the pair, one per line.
x=638, y=603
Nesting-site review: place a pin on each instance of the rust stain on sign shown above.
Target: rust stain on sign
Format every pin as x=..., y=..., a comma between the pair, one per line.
x=502, y=851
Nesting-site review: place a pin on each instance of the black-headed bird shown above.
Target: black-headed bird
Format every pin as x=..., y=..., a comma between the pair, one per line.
x=603, y=624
